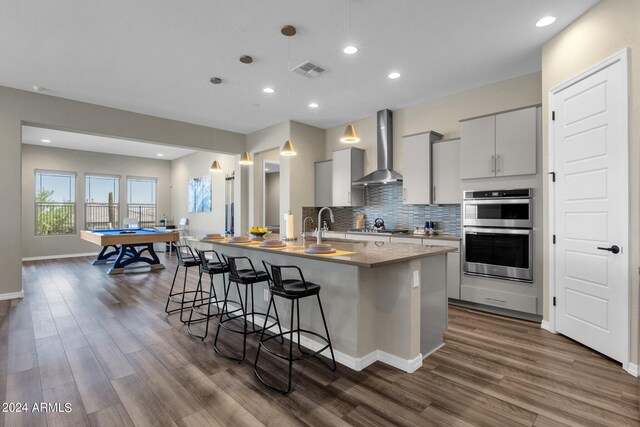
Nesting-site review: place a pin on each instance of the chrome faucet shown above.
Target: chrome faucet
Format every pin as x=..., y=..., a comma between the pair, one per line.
x=304, y=227
x=319, y=237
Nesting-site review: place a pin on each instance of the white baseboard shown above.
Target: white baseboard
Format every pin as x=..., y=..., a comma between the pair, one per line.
x=546, y=326
x=424, y=356
x=40, y=258
x=359, y=363
x=632, y=369
x=12, y=295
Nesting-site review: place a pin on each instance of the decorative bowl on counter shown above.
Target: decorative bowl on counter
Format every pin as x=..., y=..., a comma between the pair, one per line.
x=258, y=232
x=320, y=248
x=214, y=236
x=239, y=239
x=273, y=244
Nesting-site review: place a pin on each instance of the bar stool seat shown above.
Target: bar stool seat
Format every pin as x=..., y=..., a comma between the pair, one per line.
x=247, y=277
x=293, y=290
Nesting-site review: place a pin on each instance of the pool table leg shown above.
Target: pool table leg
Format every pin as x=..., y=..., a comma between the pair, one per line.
x=131, y=254
x=104, y=256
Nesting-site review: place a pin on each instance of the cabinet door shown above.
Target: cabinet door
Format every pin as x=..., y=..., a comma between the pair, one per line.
x=516, y=142
x=348, y=166
x=453, y=275
x=478, y=147
x=324, y=183
x=416, y=175
x=445, y=166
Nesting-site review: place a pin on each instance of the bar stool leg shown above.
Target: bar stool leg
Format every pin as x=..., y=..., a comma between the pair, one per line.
x=290, y=350
x=173, y=283
x=184, y=289
x=326, y=330
x=222, y=314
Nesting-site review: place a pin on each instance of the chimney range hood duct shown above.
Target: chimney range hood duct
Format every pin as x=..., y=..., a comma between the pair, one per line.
x=385, y=173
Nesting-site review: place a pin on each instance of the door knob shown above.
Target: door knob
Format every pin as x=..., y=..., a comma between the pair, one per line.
x=614, y=249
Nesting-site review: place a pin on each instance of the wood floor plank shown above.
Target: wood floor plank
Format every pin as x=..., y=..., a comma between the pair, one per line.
x=112, y=416
x=144, y=408
x=177, y=401
x=24, y=388
x=52, y=362
x=199, y=419
x=114, y=364
x=61, y=415
x=93, y=385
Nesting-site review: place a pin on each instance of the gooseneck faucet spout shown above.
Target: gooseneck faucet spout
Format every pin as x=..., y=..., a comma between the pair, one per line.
x=319, y=236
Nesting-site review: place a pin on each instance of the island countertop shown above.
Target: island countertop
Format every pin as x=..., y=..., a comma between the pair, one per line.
x=359, y=253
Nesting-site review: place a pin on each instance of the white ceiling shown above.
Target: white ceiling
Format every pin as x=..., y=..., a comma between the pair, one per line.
x=100, y=144
x=156, y=56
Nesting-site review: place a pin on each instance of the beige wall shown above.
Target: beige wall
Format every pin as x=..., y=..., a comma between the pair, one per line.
x=272, y=198
x=82, y=162
x=609, y=27
x=193, y=166
x=295, y=193
x=20, y=107
x=441, y=115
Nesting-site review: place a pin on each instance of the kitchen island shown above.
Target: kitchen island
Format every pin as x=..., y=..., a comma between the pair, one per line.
x=383, y=301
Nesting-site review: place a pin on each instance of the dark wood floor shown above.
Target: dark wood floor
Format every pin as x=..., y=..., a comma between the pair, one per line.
x=104, y=345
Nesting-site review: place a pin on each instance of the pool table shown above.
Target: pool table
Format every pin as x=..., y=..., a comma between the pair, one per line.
x=128, y=247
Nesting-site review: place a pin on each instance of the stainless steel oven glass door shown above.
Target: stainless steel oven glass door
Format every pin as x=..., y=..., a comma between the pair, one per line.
x=498, y=252
x=515, y=213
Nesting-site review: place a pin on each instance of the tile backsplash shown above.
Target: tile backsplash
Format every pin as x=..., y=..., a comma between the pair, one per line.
x=385, y=201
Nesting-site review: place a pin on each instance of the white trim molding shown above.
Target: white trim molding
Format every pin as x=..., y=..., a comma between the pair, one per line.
x=40, y=258
x=360, y=363
x=632, y=368
x=12, y=295
x=546, y=326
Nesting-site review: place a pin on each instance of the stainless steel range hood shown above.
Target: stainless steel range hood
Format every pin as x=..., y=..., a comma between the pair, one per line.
x=385, y=173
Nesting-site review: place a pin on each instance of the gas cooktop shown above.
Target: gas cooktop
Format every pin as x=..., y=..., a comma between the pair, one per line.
x=381, y=231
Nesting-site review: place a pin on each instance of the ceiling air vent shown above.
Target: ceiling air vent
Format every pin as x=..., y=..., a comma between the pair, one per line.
x=309, y=70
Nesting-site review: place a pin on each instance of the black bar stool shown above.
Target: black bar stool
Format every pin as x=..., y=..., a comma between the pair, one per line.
x=293, y=290
x=186, y=259
x=247, y=277
x=212, y=266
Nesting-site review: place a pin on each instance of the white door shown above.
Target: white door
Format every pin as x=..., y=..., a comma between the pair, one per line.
x=589, y=146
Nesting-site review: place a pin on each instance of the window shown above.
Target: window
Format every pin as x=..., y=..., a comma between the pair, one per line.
x=102, y=196
x=141, y=200
x=55, y=203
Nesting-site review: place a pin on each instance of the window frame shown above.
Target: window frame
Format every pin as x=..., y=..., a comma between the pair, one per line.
x=73, y=204
x=155, y=199
x=88, y=175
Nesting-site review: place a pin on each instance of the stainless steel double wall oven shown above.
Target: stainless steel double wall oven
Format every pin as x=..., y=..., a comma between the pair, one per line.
x=498, y=234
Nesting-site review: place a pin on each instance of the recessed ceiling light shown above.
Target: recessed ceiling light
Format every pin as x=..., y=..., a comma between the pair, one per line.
x=46, y=140
x=268, y=90
x=547, y=20
x=160, y=155
x=350, y=50
x=313, y=105
x=394, y=75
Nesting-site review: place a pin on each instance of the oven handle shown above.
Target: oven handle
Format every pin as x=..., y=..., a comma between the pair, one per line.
x=522, y=201
x=475, y=230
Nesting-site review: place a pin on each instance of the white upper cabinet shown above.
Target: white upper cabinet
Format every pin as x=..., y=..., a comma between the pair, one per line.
x=445, y=164
x=516, y=142
x=499, y=145
x=416, y=173
x=324, y=183
x=348, y=166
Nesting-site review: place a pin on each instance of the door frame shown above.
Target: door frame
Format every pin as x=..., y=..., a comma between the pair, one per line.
x=621, y=57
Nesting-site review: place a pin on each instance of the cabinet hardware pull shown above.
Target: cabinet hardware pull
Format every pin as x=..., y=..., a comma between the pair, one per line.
x=349, y=197
x=434, y=194
x=498, y=163
x=495, y=299
x=493, y=165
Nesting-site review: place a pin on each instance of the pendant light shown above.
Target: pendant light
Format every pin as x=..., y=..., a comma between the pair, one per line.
x=287, y=149
x=246, y=157
x=215, y=166
x=350, y=135
x=288, y=31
